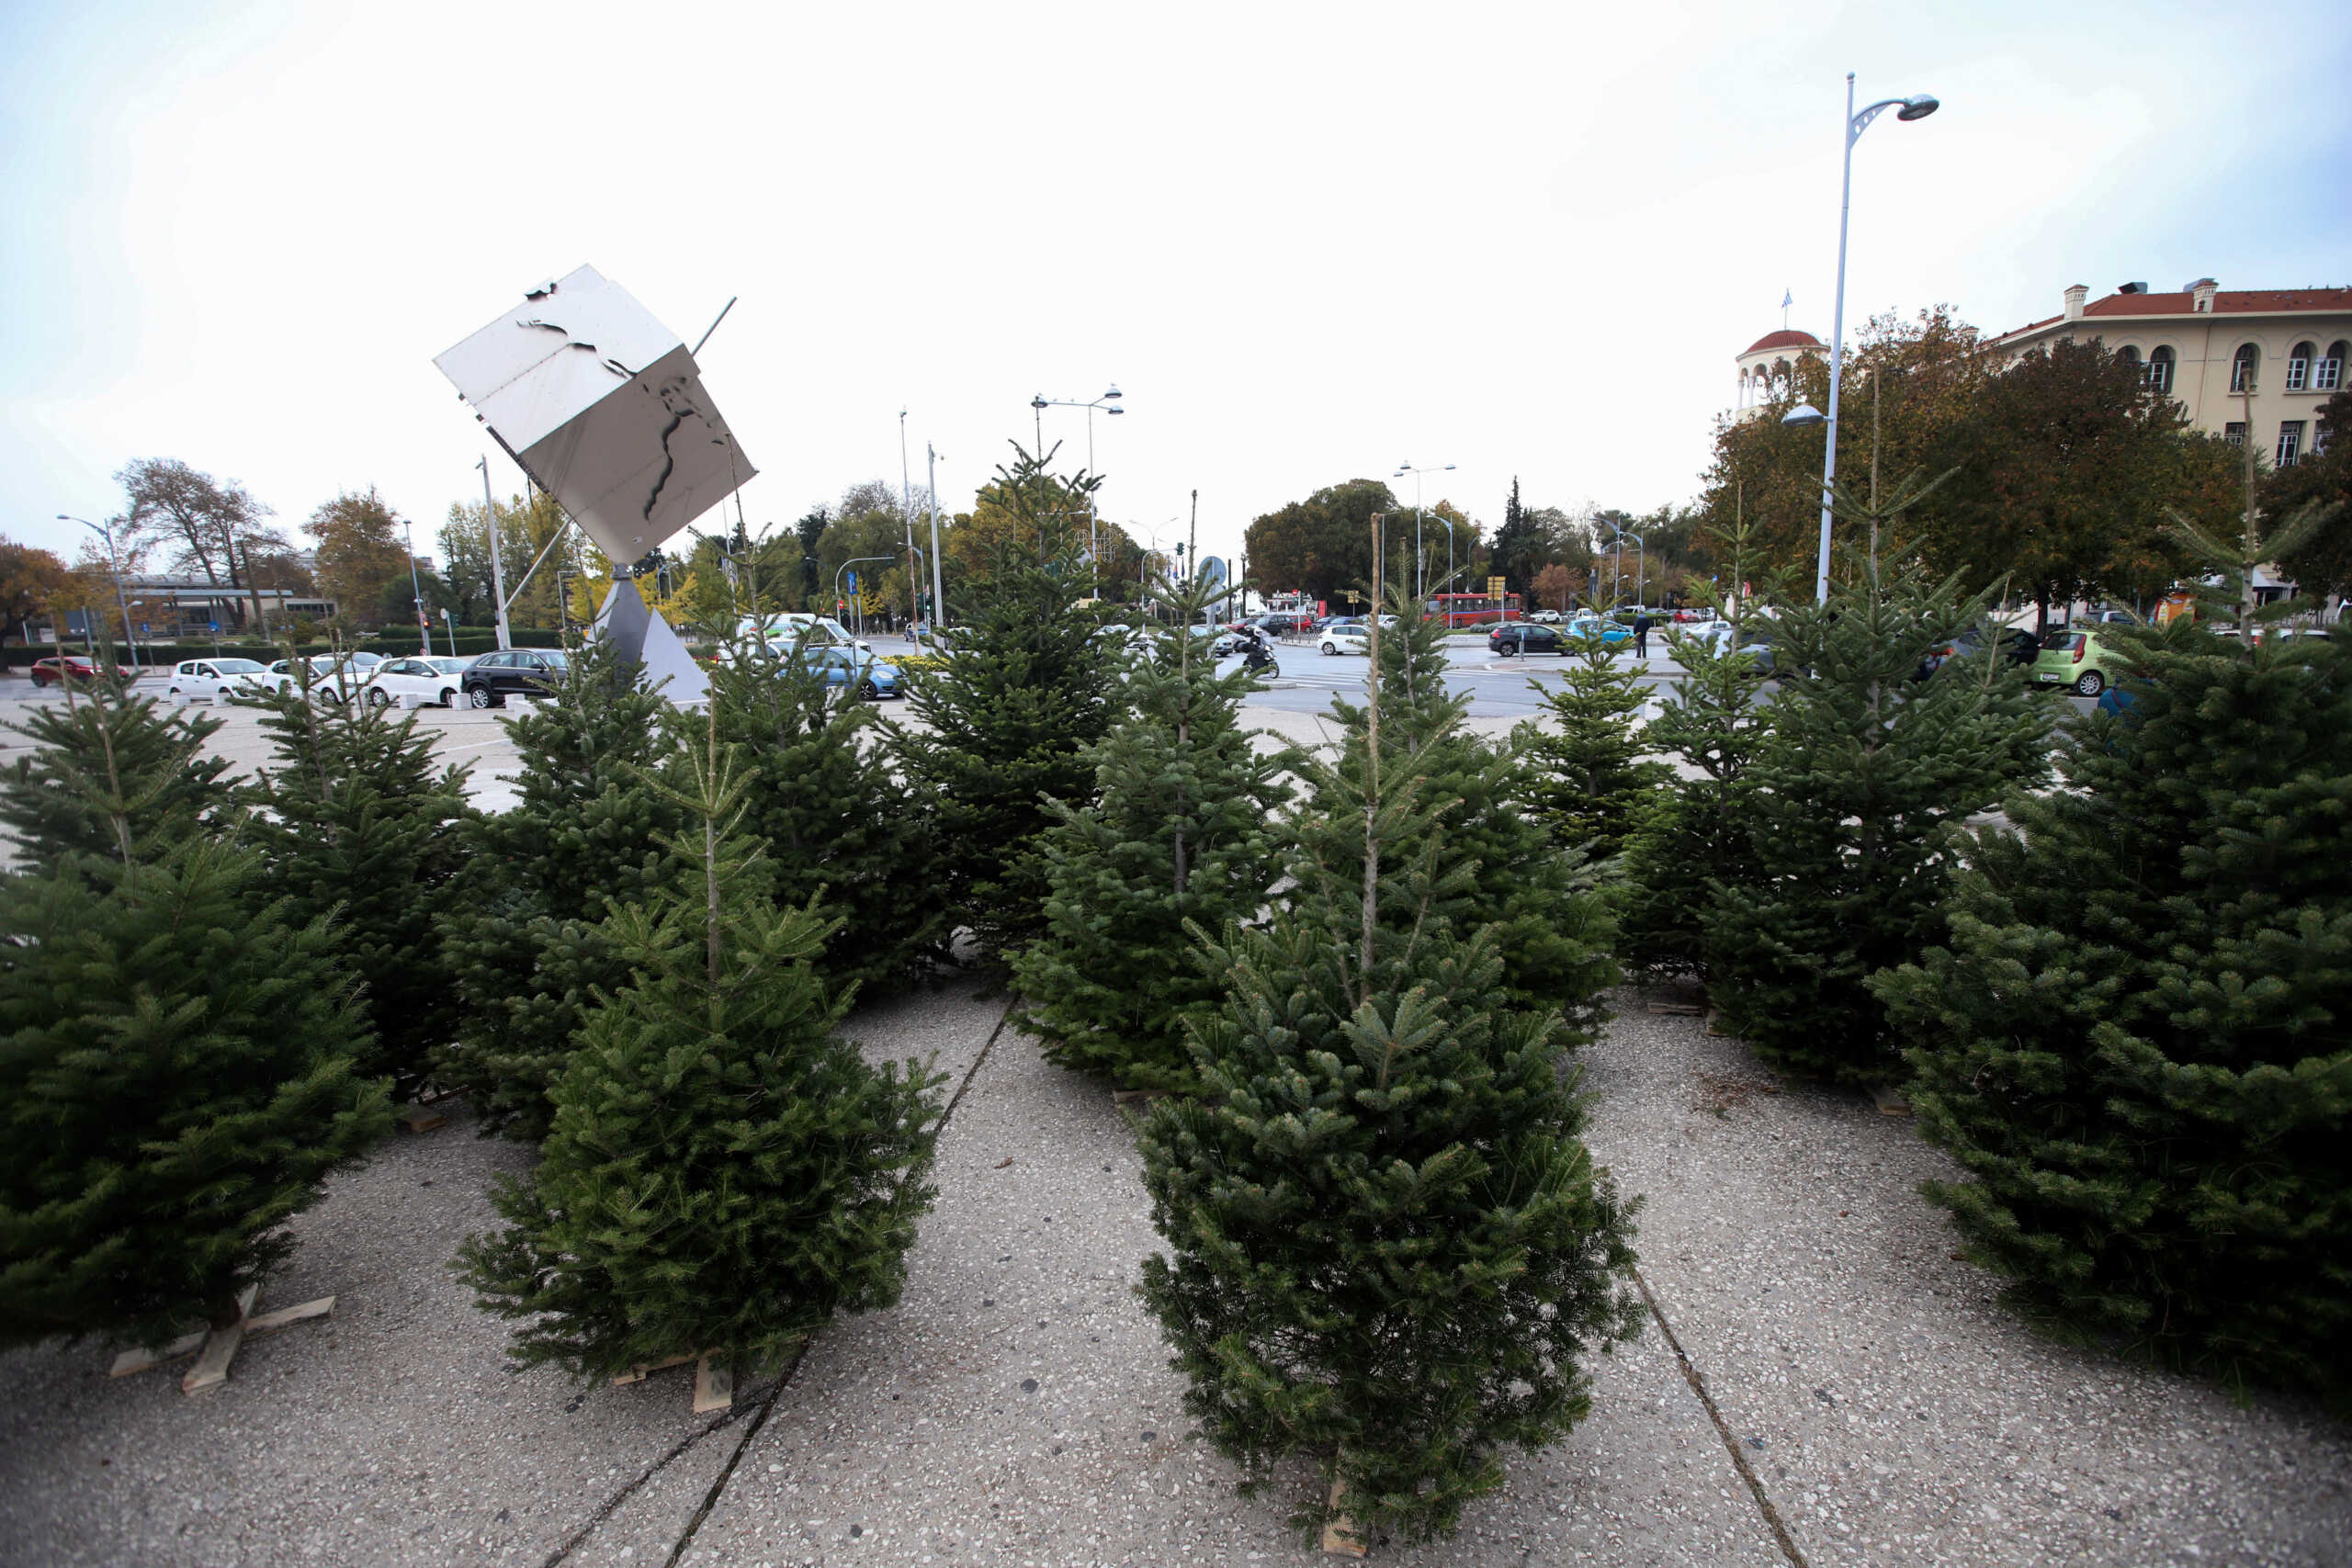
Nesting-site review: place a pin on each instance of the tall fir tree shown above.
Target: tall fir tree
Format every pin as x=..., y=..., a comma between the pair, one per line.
x=110, y=768
x=523, y=942
x=724, y=1173
x=1181, y=833
x=1387, y=1249
x=2133, y=1040
x=1554, y=930
x=1592, y=787
x=1861, y=770
x=357, y=826
x=176, y=1067
x=823, y=796
x=1698, y=831
x=1009, y=718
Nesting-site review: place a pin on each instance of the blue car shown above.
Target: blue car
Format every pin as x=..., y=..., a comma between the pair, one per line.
x=854, y=666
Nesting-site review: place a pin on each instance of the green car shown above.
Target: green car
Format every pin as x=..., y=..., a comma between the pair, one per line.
x=2074, y=658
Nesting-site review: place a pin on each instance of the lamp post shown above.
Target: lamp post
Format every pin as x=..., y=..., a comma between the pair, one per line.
x=1421, y=575
x=1449, y=565
x=938, y=587
x=114, y=562
x=853, y=560
x=1108, y=403
x=416, y=593
x=1640, y=569
x=1919, y=105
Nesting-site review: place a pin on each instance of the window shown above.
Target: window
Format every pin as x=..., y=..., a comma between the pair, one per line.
x=2328, y=374
x=2299, y=366
x=2160, y=369
x=2234, y=433
x=2242, y=369
x=2130, y=357
x=2291, y=441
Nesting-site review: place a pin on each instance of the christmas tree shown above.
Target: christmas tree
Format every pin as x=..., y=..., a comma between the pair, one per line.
x=356, y=824
x=1007, y=719
x=1859, y=773
x=176, y=1082
x=523, y=942
x=834, y=820
x=1499, y=867
x=723, y=1174
x=1592, y=787
x=1180, y=834
x=1698, y=832
x=2133, y=1038
x=1387, y=1249
x=106, y=760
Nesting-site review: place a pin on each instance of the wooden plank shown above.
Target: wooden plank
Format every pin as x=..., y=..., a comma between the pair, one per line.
x=1889, y=1101
x=639, y=1373
x=1678, y=1010
x=211, y=1367
x=420, y=1119
x=1339, y=1537
x=714, y=1386
x=285, y=1315
x=131, y=1361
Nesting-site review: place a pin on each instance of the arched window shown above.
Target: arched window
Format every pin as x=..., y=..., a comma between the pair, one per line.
x=2130, y=357
x=2299, y=366
x=2328, y=374
x=2243, y=368
x=2160, y=363
x=1779, y=378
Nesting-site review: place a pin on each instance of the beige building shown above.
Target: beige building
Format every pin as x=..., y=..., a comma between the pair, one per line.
x=1766, y=364
x=2208, y=347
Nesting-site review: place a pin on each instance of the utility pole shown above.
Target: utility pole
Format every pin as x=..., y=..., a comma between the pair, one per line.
x=907, y=512
x=938, y=589
x=497, y=571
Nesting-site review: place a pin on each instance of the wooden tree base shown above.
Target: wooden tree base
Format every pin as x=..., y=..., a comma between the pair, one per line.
x=714, y=1380
x=1340, y=1537
x=216, y=1348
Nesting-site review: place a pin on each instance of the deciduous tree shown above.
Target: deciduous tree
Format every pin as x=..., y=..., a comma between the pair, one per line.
x=202, y=524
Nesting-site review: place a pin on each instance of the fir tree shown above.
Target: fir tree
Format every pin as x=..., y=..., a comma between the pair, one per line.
x=1593, y=788
x=356, y=826
x=2133, y=1040
x=1010, y=716
x=1860, y=772
x=110, y=768
x=1388, y=1250
x=834, y=820
x=523, y=942
x=1500, y=868
x=723, y=1174
x=1698, y=832
x=1181, y=832
x=176, y=1082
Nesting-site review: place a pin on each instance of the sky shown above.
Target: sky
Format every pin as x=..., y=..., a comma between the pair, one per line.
x=1308, y=242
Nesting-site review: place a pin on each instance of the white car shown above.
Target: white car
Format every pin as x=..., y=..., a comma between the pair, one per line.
x=1548, y=617
x=1346, y=639
x=218, y=679
x=437, y=680
x=335, y=677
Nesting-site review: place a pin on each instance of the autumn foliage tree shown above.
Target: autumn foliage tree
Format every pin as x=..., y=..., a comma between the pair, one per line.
x=360, y=549
x=31, y=579
x=204, y=527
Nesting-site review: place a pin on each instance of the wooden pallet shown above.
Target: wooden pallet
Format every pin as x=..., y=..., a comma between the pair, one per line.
x=1889, y=1101
x=215, y=1348
x=714, y=1380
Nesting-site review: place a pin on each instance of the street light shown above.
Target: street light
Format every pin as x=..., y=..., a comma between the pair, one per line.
x=416, y=591
x=1449, y=565
x=1421, y=573
x=1640, y=571
x=1919, y=105
x=1108, y=403
x=853, y=560
x=115, y=562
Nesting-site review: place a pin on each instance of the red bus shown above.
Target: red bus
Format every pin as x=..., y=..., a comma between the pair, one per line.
x=1473, y=609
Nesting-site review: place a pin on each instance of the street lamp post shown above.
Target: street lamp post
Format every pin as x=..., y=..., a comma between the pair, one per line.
x=1641, y=566
x=1919, y=105
x=1421, y=573
x=416, y=593
x=855, y=560
x=1448, y=568
x=1108, y=403
x=114, y=563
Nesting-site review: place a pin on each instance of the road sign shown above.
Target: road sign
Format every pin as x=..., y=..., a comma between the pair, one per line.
x=852, y=582
x=214, y=626
x=142, y=628
x=1495, y=588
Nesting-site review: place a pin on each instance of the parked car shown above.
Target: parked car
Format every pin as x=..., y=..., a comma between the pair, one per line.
x=1547, y=617
x=859, y=669
x=2075, y=658
x=1586, y=624
x=1283, y=625
x=1522, y=636
x=1338, y=638
x=513, y=672
x=418, y=677
x=2017, y=646
x=1716, y=634
x=335, y=677
x=219, y=679
x=60, y=667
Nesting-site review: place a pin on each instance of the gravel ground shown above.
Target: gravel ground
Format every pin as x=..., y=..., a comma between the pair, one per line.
x=1016, y=1407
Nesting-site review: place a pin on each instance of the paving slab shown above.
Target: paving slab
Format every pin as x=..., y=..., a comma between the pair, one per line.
x=1893, y=1411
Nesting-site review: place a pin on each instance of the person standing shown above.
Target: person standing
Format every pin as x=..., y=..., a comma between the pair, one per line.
x=1641, y=635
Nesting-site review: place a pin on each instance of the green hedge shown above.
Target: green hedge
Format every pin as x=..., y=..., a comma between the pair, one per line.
x=470, y=640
